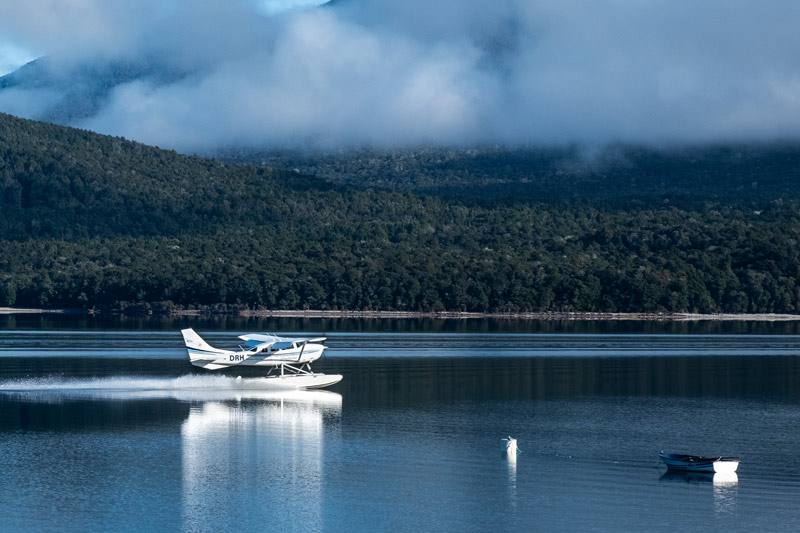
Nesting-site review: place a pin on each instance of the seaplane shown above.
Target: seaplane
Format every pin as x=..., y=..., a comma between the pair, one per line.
x=288, y=360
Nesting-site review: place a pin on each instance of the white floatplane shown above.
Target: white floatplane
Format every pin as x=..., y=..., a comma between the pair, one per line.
x=288, y=359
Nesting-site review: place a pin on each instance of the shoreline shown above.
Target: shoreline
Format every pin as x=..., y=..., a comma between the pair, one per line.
x=443, y=315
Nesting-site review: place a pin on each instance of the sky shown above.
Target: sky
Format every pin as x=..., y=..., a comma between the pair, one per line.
x=386, y=73
x=12, y=57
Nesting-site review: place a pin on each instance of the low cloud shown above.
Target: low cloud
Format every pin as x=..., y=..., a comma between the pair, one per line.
x=392, y=72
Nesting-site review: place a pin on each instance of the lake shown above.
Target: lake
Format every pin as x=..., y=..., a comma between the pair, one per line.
x=105, y=426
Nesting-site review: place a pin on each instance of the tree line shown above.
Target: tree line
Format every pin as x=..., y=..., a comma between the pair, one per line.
x=90, y=221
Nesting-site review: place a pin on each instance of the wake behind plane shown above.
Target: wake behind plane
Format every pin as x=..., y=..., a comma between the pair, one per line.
x=288, y=360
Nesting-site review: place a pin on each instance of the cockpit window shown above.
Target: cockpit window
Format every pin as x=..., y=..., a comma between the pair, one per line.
x=282, y=345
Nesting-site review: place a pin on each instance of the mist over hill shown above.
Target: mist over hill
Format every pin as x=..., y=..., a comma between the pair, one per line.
x=89, y=220
x=201, y=76
x=67, y=93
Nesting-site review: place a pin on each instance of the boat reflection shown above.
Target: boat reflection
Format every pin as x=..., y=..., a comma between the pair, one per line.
x=723, y=479
x=266, y=448
x=726, y=486
x=726, y=491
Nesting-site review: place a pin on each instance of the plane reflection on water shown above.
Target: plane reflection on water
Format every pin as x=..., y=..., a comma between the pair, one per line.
x=250, y=451
x=265, y=450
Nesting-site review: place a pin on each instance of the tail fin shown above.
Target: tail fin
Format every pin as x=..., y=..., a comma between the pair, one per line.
x=200, y=353
x=193, y=340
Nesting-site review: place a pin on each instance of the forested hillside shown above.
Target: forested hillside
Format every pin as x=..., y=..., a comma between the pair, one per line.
x=617, y=172
x=89, y=220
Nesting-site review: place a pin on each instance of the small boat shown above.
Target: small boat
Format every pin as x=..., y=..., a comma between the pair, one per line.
x=696, y=463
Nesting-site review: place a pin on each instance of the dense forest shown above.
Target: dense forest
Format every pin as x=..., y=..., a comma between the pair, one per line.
x=89, y=220
x=621, y=172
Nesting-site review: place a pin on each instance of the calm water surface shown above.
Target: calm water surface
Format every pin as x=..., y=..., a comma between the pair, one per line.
x=109, y=428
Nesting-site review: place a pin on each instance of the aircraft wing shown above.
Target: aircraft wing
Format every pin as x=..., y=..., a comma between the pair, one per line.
x=261, y=338
x=254, y=339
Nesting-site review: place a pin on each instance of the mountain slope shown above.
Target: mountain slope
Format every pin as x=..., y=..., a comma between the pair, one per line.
x=59, y=182
x=88, y=220
x=69, y=91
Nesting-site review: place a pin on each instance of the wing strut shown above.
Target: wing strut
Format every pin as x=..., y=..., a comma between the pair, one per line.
x=295, y=370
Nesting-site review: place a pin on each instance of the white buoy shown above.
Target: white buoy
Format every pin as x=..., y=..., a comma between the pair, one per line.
x=509, y=446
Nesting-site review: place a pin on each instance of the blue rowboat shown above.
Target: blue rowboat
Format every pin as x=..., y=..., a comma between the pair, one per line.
x=696, y=463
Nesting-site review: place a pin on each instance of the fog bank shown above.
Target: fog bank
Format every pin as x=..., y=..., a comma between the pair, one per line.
x=392, y=73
